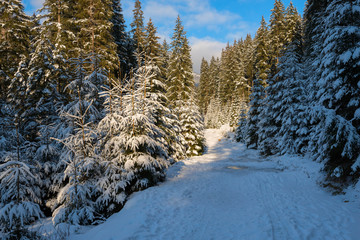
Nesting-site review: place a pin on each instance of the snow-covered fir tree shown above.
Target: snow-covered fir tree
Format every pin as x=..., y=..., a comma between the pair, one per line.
x=20, y=193
x=337, y=89
x=256, y=98
x=14, y=40
x=74, y=203
x=241, y=130
x=180, y=91
x=145, y=154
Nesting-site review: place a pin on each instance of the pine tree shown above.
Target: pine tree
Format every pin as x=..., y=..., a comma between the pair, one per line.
x=180, y=79
x=138, y=29
x=290, y=96
x=95, y=33
x=292, y=19
x=121, y=39
x=256, y=97
x=338, y=90
x=249, y=61
x=204, y=95
x=75, y=200
x=269, y=122
x=241, y=130
x=146, y=157
x=180, y=90
x=19, y=182
x=156, y=94
x=262, y=67
x=113, y=179
x=14, y=40
x=277, y=32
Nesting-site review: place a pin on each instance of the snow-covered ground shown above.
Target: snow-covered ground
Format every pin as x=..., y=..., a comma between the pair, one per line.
x=233, y=193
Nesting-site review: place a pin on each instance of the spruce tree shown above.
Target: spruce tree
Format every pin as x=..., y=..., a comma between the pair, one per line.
x=121, y=39
x=156, y=94
x=180, y=91
x=338, y=87
x=262, y=67
x=292, y=19
x=14, y=40
x=277, y=32
x=138, y=29
x=146, y=156
x=256, y=98
x=75, y=202
x=291, y=97
x=94, y=34
x=204, y=93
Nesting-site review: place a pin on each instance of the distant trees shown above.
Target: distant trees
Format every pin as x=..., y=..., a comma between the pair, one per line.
x=304, y=95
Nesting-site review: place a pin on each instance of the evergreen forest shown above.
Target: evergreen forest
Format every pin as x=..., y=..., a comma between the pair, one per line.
x=91, y=113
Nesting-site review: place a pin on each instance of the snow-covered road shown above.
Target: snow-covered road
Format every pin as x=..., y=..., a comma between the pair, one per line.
x=232, y=193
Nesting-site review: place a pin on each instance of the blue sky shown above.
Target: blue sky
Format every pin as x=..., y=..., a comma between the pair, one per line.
x=210, y=24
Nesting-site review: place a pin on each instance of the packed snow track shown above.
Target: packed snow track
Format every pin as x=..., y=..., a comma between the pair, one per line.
x=232, y=193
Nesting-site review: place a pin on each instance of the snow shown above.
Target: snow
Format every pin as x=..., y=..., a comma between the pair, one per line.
x=233, y=193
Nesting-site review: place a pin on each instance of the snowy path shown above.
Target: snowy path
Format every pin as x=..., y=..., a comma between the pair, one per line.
x=232, y=193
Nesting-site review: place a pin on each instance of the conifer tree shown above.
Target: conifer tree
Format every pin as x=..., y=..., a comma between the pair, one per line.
x=256, y=98
x=156, y=94
x=113, y=180
x=138, y=29
x=241, y=130
x=338, y=90
x=20, y=195
x=95, y=33
x=262, y=66
x=14, y=40
x=292, y=19
x=146, y=157
x=180, y=91
x=204, y=93
x=291, y=98
x=121, y=39
x=277, y=31
x=75, y=202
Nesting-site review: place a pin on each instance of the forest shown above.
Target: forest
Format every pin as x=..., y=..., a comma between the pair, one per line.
x=91, y=113
x=294, y=88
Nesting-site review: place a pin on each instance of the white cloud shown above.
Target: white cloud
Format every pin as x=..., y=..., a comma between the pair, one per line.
x=211, y=18
x=160, y=12
x=204, y=48
x=37, y=3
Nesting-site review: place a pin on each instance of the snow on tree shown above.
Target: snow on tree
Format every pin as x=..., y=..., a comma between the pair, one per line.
x=277, y=32
x=14, y=40
x=256, y=98
x=145, y=155
x=204, y=83
x=113, y=178
x=338, y=88
x=181, y=88
x=192, y=129
x=262, y=67
x=156, y=94
x=291, y=97
x=269, y=123
x=74, y=202
x=138, y=29
x=19, y=187
x=94, y=33
x=121, y=39
x=241, y=130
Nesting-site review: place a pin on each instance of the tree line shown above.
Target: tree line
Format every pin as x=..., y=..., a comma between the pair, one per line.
x=89, y=113
x=294, y=88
